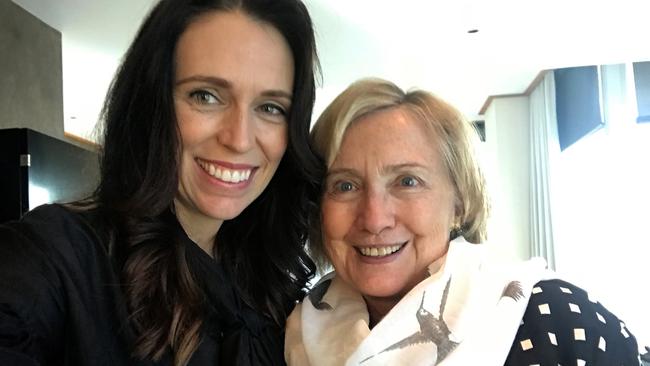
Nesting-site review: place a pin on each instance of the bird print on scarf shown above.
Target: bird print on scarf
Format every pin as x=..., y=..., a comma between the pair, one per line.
x=432, y=330
x=513, y=290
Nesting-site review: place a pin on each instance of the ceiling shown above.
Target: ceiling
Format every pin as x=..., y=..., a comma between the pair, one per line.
x=418, y=43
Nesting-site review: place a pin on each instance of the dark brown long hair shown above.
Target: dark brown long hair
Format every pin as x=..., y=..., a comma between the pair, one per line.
x=263, y=249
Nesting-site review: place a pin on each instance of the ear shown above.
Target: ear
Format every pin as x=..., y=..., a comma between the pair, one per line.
x=459, y=212
x=456, y=227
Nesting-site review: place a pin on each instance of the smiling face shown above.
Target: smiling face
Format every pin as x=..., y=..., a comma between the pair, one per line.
x=388, y=205
x=232, y=95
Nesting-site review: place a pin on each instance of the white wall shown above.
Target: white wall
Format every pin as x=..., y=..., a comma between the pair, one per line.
x=506, y=161
x=87, y=74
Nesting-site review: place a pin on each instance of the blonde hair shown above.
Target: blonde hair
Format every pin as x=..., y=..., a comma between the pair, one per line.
x=454, y=136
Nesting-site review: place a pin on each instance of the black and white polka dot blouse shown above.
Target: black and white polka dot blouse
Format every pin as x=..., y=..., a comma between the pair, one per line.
x=563, y=326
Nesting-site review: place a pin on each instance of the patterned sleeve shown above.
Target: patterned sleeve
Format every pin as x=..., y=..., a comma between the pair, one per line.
x=562, y=325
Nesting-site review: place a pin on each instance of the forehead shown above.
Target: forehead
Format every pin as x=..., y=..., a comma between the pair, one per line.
x=227, y=42
x=390, y=136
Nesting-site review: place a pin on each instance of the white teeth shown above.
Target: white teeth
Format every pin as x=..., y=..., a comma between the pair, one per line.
x=226, y=175
x=379, y=251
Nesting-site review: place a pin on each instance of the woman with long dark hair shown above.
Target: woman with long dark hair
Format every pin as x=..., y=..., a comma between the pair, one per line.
x=191, y=249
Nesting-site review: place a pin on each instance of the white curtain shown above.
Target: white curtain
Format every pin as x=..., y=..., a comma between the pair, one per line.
x=544, y=149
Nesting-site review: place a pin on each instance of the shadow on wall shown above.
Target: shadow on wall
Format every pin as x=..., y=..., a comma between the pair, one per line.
x=32, y=92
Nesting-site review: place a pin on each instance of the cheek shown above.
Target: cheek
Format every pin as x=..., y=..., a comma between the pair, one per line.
x=336, y=219
x=337, y=222
x=429, y=220
x=189, y=127
x=274, y=142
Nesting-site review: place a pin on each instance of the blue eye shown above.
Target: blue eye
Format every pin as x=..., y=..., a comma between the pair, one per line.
x=344, y=187
x=273, y=109
x=203, y=97
x=408, y=181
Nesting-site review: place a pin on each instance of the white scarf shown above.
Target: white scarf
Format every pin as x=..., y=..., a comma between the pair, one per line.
x=466, y=313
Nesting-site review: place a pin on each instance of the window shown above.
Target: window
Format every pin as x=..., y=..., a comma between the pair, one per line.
x=642, y=86
x=578, y=107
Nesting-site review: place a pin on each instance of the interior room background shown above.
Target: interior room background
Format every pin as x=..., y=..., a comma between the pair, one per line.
x=580, y=201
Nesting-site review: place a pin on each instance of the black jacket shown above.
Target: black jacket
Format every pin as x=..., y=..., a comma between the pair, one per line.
x=61, y=301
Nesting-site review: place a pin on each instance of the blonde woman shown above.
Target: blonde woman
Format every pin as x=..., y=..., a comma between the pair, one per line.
x=403, y=212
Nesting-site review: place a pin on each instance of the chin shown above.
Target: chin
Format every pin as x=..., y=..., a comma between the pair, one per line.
x=383, y=290
x=223, y=213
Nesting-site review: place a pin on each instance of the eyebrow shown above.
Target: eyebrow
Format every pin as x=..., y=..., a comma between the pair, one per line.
x=397, y=167
x=340, y=171
x=228, y=85
x=388, y=168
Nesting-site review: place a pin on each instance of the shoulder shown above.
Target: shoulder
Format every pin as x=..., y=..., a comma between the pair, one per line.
x=294, y=348
x=49, y=215
x=51, y=227
x=560, y=300
x=564, y=324
x=38, y=261
x=45, y=220
x=49, y=243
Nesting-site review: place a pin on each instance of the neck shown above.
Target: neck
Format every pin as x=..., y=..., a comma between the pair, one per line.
x=378, y=307
x=199, y=228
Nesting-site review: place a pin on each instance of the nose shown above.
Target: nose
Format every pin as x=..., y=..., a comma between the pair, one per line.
x=376, y=212
x=236, y=131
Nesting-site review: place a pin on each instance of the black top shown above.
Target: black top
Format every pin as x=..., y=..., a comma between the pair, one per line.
x=562, y=325
x=61, y=302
